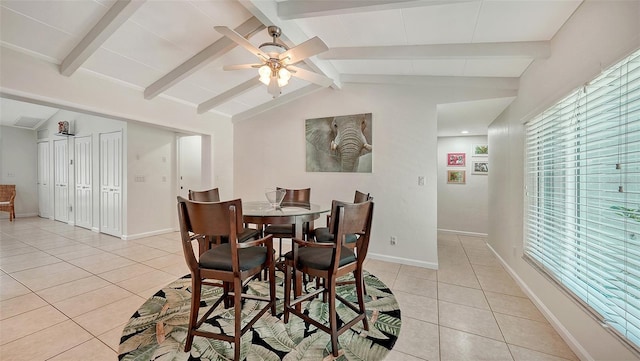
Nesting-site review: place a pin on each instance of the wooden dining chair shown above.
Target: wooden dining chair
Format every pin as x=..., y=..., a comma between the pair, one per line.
x=330, y=261
x=324, y=235
x=292, y=197
x=209, y=195
x=232, y=264
x=213, y=195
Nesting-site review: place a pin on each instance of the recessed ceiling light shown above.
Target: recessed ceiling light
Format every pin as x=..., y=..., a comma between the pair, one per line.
x=465, y=132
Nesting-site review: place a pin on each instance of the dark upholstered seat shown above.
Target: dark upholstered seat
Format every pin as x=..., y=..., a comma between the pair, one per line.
x=220, y=258
x=328, y=261
x=323, y=235
x=232, y=264
x=321, y=258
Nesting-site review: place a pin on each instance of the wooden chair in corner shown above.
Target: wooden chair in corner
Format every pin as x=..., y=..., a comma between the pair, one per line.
x=231, y=264
x=330, y=261
x=7, y=200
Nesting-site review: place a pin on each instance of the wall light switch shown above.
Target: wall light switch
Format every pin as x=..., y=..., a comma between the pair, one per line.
x=420, y=180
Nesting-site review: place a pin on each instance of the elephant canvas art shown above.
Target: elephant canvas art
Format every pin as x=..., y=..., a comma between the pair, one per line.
x=339, y=144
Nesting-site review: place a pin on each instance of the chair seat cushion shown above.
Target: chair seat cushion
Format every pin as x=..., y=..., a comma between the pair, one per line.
x=279, y=229
x=247, y=234
x=320, y=258
x=322, y=235
x=219, y=258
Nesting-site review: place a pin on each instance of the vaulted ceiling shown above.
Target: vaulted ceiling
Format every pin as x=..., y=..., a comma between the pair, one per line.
x=170, y=48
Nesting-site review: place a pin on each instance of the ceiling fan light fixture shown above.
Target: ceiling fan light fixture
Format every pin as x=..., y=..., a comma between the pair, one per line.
x=283, y=77
x=265, y=74
x=282, y=82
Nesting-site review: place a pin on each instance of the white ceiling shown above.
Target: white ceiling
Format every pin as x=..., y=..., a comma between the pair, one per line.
x=164, y=48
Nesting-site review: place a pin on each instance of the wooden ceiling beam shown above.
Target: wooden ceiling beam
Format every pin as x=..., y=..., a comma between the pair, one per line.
x=120, y=12
x=288, y=10
x=228, y=95
x=498, y=83
x=204, y=57
x=525, y=49
x=281, y=100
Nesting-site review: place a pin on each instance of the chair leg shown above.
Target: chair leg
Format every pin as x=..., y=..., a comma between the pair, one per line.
x=297, y=288
x=193, y=315
x=237, y=311
x=272, y=287
x=360, y=291
x=287, y=291
x=333, y=318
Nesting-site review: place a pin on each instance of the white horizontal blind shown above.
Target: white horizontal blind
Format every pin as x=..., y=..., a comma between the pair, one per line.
x=583, y=195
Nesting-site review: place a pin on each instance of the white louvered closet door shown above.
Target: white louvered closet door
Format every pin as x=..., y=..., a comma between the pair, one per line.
x=84, y=184
x=111, y=183
x=61, y=180
x=43, y=179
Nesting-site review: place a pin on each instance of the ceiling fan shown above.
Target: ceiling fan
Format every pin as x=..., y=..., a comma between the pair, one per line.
x=277, y=60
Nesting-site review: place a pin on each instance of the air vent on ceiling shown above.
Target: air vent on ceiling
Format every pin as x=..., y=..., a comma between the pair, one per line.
x=27, y=122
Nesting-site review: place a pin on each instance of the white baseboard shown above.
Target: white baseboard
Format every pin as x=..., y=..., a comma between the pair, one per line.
x=95, y=229
x=464, y=233
x=571, y=341
x=131, y=237
x=407, y=261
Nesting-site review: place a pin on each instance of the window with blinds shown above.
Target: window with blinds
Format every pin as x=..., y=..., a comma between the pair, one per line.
x=582, y=216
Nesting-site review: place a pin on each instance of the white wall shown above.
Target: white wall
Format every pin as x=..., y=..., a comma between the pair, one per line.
x=151, y=181
x=599, y=34
x=17, y=148
x=270, y=151
x=462, y=208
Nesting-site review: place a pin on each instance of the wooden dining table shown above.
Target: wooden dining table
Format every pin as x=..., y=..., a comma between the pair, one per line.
x=262, y=213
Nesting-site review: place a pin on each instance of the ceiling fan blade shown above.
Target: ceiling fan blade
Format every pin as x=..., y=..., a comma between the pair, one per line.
x=274, y=88
x=241, y=66
x=240, y=40
x=307, y=49
x=310, y=76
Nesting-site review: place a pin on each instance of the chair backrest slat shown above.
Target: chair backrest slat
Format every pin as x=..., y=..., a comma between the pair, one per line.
x=209, y=195
x=296, y=197
x=361, y=197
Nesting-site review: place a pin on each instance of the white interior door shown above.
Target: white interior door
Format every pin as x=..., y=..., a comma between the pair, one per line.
x=61, y=180
x=83, y=181
x=189, y=164
x=43, y=179
x=111, y=183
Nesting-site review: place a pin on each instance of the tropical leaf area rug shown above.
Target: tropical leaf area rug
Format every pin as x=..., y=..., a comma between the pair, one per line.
x=157, y=331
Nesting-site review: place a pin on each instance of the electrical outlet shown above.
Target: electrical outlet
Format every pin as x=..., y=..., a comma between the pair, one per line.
x=421, y=180
x=393, y=240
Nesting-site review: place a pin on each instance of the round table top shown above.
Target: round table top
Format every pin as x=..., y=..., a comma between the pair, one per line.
x=264, y=209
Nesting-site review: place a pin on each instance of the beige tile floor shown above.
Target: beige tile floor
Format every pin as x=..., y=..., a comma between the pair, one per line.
x=66, y=293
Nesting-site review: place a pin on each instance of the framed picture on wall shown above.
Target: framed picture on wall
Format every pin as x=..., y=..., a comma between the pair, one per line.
x=341, y=143
x=480, y=167
x=456, y=176
x=456, y=159
x=480, y=150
